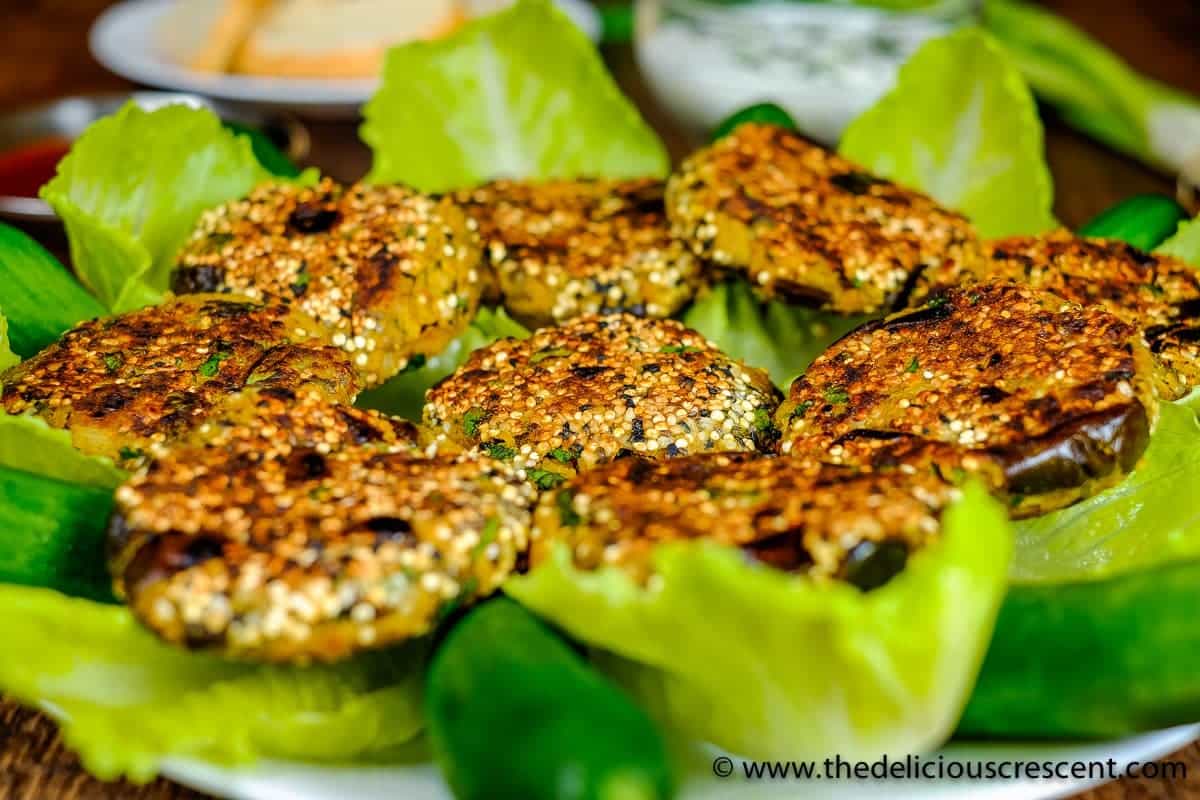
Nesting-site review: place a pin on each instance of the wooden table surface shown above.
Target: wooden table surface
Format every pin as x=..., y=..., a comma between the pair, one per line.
x=43, y=55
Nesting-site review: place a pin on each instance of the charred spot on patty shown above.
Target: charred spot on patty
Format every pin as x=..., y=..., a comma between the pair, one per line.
x=312, y=218
x=389, y=527
x=200, y=279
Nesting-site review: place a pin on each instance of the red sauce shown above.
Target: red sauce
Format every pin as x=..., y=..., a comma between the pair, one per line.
x=24, y=169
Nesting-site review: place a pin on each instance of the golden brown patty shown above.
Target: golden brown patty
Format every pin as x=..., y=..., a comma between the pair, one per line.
x=1156, y=293
x=124, y=383
x=794, y=514
x=807, y=226
x=572, y=397
x=1061, y=395
x=565, y=248
x=298, y=530
x=390, y=273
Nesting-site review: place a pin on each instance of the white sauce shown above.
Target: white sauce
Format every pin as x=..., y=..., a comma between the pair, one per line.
x=1173, y=130
x=824, y=63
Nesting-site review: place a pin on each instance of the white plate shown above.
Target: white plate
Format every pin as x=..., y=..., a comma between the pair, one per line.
x=125, y=40
x=279, y=780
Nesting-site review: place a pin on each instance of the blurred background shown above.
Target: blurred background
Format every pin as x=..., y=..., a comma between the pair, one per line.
x=297, y=70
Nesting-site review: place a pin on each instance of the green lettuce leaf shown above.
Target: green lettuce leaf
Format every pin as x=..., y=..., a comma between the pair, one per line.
x=521, y=93
x=1151, y=517
x=1184, y=244
x=777, y=337
x=30, y=445
x=404, y=395
x=769, y=665
x=127, y=701
x=42, y=300
x=132, y=188
x=961, y=125
x=1113, y=581
x=7, y=357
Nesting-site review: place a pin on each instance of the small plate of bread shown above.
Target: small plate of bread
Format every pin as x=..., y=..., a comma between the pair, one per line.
x=319, y=57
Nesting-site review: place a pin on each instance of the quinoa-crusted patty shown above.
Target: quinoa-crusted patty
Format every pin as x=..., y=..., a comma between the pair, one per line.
x=805, y=225
x=390, y=273
x=794, y=514
x=124, y=383
x=1059, y=394
x=301, y=530
x=1158, y=294
x=564, y=248
x=572, y=397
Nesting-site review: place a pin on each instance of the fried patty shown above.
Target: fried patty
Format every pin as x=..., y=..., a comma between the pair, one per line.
x=564, y=248
x=125, y=383
x=1059, y=395
x=390, y=273
x=1158, y=294
x=805, y=225
x=572, y=397
x=794, y=514
x=297, y=530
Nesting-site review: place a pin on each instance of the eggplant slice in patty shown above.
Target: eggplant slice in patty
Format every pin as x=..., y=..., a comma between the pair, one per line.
x=797, y=515
x=569, y=398
x=1058, y=396
x=293, y=529
x=124, y=384
x=806, y=226
x=389, y=273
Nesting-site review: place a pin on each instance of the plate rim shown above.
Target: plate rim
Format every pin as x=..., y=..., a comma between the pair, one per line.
x=115, y=30
x=112, y=32
x=256, y=782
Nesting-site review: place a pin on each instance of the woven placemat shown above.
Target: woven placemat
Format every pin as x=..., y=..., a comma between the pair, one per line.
x=34, y=765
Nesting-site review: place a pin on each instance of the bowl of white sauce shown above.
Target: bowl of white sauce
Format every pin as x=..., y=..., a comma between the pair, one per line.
x=824, y=62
